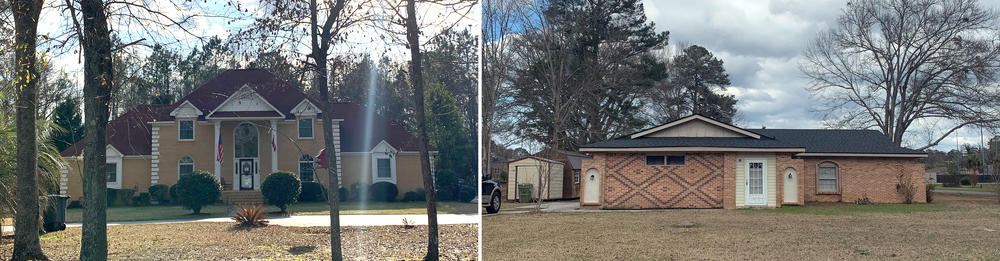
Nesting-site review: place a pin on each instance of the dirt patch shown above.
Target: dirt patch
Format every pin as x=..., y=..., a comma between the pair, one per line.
x=220, y=241
x=930, y=232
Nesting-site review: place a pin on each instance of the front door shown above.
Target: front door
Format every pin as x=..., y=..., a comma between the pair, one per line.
x=756, y=182
x=791, y=191
x=247, y=170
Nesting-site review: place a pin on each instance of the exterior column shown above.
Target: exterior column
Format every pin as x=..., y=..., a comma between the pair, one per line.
x=218, y=166
x=274, y=146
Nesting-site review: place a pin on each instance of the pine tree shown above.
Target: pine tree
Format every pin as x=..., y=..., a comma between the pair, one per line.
x=67, y=117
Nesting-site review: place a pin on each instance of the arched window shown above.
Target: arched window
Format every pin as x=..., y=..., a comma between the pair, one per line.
x=306, y=172
x=827, y=175
x=185, y=166
x=245, y=144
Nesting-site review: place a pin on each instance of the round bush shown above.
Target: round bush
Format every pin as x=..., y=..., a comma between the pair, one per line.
x=384, y=191
x=281, y=188
x=965, y=181
x=173, y=195
x=343, y=194
x=312, y=192
x=196, y=190
x=160, y=193
x=416, y=195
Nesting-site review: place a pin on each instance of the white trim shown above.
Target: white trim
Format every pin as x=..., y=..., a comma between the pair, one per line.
x=137, y=156
x=872, y=155
x=245, y=118
x=692, y=149
x=215, y=151
x=179, y=164
x=179, y=130
x=298, y=128
x=305, y=108
x=256, y=160
x=274, y=146
x=154, y=176
x=177, y=112
x=696, y=117
x=383, y=150
x=245, y=88
x=113, y=155
x=313, y=162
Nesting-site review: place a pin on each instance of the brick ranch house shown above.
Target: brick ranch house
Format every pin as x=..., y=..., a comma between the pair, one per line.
x=262, y=125
x=698, y=162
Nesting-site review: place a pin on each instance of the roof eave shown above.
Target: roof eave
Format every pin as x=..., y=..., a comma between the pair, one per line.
x=692, y=149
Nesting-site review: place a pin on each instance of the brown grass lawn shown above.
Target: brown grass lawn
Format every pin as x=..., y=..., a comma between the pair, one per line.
x=221, y=241
x=941, y=230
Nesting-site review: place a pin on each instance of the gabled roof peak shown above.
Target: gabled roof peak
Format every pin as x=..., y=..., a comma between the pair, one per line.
x=695, y=125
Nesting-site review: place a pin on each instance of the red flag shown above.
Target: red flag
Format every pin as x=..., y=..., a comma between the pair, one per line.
x=218, y=156
x=321, y=159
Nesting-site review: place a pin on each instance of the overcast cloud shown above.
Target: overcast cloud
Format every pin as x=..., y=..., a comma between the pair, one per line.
x=761, y=43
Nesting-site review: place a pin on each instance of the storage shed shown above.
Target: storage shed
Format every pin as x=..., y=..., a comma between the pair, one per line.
x=526, y=170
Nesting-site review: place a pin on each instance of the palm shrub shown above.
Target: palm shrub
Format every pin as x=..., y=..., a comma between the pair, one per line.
x=49, y=163
x=281, y=188
x=196, y=190
x=250, y=216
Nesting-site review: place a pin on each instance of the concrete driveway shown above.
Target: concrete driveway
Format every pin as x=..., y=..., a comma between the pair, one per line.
x=552, y=206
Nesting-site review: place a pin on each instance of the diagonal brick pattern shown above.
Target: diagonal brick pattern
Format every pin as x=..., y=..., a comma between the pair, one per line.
x=632, y=184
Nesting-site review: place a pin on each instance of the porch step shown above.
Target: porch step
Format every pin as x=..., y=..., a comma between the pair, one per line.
x=242, y=197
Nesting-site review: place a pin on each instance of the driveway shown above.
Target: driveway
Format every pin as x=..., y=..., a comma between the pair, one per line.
x=553, y=206
x=317, y=221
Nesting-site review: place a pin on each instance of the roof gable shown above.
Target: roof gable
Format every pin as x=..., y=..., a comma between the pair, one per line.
x=186, y=110
x=244, y=100
x=305, y=108
x=696, y=126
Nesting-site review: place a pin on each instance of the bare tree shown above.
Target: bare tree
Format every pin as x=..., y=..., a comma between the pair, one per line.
x=893, y=63
x=26, y=223
x=498, y=23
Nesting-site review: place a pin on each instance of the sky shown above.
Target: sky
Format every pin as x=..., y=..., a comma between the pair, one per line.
x=761, y=43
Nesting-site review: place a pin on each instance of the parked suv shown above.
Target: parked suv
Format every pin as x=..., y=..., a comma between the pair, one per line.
x=492, y=196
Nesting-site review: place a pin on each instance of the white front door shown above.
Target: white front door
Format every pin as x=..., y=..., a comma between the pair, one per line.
x=592, y=186
x=791, y=184
x=756, y=182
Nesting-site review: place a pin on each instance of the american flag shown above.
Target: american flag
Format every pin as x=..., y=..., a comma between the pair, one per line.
x=218, y=157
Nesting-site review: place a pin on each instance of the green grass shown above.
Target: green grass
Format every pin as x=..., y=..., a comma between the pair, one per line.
x=981, y=187
x=840, y=209
x=311, y=208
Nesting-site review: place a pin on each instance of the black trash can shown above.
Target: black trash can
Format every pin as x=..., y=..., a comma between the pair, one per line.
x=54, y=216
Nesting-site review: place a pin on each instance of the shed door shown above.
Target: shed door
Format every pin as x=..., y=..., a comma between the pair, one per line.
x=527, y=175
x=756, y=182
x=592, y=186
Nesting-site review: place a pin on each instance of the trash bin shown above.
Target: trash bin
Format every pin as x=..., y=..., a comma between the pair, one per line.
x=524, y=193
x=54, y=216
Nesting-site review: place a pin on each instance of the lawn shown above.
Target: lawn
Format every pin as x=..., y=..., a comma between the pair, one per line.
x=311, y=208
x=945, y=229
x=221, y=241
x=981, y=187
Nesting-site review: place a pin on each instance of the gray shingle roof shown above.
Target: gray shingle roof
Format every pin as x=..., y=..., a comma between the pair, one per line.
x=812, y=140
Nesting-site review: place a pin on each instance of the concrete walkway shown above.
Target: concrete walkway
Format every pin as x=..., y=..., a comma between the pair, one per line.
x=317, y=221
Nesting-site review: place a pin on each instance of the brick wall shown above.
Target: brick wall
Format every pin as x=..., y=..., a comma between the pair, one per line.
x=875, y=178
x=630, y=183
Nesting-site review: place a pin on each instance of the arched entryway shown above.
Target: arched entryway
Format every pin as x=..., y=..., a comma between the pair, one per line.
x=791, y=184
x=246, y=155
x=592, y=187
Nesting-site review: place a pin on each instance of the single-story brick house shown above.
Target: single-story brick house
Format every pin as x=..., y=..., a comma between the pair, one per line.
x=241, y=126
x=699, y=162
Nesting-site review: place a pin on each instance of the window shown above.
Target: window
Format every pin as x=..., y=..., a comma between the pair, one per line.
x=185, y=166
x=675, y=160
x=384, y=168
x=185, y=130
x=576, y=177
x=306, y=168
x=305, y=128
x=827, y=175
x=112, y=172
x=655, y=160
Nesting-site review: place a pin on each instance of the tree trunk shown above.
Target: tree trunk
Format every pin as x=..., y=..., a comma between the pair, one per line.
x=26, y=225
x=417, y=81
x=320, y=47
x=97, y=86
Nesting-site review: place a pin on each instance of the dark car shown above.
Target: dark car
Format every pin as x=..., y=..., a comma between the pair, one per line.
x=491, y=196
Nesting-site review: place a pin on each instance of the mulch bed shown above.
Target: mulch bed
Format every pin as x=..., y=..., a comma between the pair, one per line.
x=224, y=241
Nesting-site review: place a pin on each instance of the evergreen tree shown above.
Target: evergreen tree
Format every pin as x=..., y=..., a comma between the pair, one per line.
x=446, y=131
x=67, y=117
x=701, y=75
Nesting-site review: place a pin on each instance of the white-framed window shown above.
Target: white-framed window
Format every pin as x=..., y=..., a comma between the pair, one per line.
x=576, y=176
x=113, y=167
x=384, y=170
x=307, y=168
x=185, y=130
x=306, y=128
x=827, y=175
x=185, y=166
x=111, y=170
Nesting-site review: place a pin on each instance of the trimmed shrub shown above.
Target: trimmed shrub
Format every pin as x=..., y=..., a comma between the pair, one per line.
x=160, y=193
x=196, y=190
x=929, y=188
x=416, y=195
x=125, y=197
x=173, y=195
x=359, y=192
x=312, y=192
x=112, y=196
x=143, y=199
x=343, y=194
x=384, y=192
x=75, y=204
x=965, y=181
x=281, y=188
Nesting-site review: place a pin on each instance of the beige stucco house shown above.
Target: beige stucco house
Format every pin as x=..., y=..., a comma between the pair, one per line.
x=241, y=126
